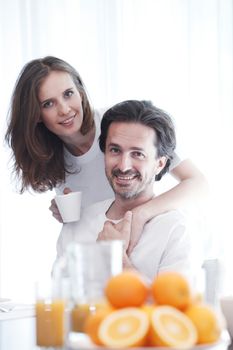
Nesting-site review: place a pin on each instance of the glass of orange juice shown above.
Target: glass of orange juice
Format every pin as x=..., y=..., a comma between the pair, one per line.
x=90, y=266
x=50, y=315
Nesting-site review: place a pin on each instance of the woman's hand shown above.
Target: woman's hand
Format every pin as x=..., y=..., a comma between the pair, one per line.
x=54, y=209
x=55, y=212
x=139, y=219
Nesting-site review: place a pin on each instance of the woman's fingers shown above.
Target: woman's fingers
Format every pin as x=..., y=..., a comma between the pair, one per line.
x=54, y=209
x=67, y=190
x=55, y=212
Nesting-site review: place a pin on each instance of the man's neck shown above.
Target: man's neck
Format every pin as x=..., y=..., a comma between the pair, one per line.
x=121, y=205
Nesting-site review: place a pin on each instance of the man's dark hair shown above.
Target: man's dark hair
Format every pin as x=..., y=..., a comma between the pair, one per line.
x=145, y=113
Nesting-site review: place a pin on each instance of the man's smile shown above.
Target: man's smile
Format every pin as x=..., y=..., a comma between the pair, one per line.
x=125, y=178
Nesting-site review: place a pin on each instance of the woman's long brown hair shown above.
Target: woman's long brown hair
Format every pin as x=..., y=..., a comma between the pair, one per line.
x=38, y=153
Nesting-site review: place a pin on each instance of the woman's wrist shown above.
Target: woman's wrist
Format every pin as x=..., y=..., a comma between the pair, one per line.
x=145, y=212
x=126, y=261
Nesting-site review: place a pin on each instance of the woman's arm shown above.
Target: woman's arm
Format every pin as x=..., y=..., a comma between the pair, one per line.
x=192, y=187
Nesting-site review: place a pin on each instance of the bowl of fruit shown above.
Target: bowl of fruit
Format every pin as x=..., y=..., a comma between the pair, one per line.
x=161, y=314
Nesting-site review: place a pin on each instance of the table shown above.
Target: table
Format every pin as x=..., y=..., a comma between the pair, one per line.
x=17, y=330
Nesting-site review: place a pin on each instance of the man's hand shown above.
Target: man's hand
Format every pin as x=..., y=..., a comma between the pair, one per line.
x=121, y=230
x=54, y=209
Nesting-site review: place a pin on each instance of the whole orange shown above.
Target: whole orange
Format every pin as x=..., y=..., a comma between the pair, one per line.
x=171, y=288
x=126, y=289
x=206, y=321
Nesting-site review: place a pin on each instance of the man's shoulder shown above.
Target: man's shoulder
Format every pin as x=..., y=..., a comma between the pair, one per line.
x=175, y=214
x=170, y=218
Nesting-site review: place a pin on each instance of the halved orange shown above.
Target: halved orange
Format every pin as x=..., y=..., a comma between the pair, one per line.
x=124, y=328
x=171, y=327
x=148, y=309
x=93, y=322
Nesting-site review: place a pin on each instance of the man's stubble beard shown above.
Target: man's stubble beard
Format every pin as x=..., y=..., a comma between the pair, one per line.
x=133, y=194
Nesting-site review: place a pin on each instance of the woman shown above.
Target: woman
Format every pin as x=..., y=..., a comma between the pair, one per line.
x=53, y=133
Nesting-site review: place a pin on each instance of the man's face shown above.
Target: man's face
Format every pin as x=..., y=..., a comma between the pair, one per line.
x=131, y=161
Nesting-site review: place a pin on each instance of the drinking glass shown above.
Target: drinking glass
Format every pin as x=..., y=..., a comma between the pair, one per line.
x=50, y=315
x=90, y=265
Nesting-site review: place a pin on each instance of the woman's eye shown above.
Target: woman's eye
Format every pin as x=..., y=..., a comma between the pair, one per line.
x=68, y=93
x=47, y=104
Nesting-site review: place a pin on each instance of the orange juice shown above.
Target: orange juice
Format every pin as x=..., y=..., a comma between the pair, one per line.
x=80, y=312
x=50, y=325
x=79, y=315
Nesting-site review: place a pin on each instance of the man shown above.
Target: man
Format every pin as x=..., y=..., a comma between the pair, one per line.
x=138, y=141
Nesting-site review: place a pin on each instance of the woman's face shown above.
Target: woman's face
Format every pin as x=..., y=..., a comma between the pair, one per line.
x=60, y=105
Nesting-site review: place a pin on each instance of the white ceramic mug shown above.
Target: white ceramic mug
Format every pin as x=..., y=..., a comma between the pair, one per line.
x=69, y=206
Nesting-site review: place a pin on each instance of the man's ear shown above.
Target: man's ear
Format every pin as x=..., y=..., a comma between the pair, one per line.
x=161, y=162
